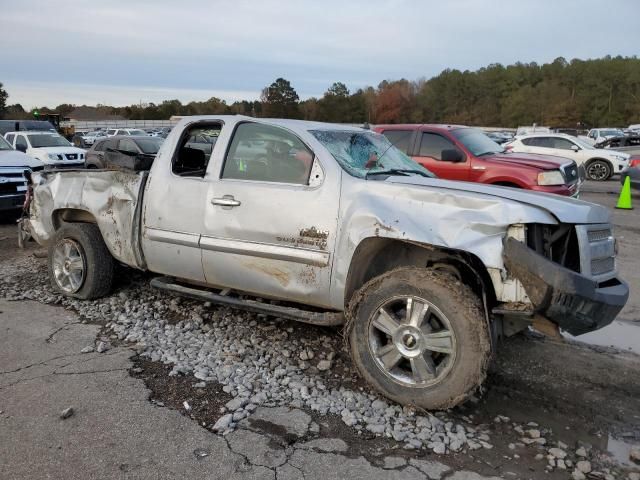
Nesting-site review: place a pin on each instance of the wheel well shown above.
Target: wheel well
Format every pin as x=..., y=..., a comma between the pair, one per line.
x=375, y=255
x=71, y=215
x=596, y=159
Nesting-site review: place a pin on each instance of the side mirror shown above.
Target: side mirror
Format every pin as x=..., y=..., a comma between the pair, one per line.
x=575, y=148
x=21, y=148
x=451, y=155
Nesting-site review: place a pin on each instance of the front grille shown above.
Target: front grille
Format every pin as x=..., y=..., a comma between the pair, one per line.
x=72, y=156
x=602, y=265
x=558, y=243
x=597, y=251
x=12, y=181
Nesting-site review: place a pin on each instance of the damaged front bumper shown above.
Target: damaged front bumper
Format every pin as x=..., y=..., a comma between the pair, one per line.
x=576, y=303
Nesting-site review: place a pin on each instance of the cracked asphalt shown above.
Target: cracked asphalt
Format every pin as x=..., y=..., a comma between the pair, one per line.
x=115, y=432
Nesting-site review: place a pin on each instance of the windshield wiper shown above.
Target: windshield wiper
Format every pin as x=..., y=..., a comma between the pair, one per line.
x=397, y=171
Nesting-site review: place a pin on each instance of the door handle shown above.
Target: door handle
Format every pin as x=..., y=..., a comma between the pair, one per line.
x=226, y=201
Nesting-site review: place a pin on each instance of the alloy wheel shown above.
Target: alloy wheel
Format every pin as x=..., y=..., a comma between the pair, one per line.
x=412, y=341
x=68, y=266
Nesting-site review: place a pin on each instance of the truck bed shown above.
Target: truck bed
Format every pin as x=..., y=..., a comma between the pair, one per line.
x=110, y=198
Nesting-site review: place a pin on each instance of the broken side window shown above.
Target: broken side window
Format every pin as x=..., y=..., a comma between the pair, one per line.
x=195, y=149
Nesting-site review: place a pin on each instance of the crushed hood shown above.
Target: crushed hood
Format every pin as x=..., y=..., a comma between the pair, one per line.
x=13, y=158
x=565, y=209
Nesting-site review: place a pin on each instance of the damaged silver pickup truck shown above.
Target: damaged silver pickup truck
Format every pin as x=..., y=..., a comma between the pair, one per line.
x=329, y=225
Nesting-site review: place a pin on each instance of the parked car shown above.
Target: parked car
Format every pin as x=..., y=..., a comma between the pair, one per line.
x=90, y=138
x=532, y=129
x=77, y=139
x=111, y=132
x=424, y=270
x=498, y=137
x=627, y=144
x=599, y=135
x=153, y=132
x=120, y=150
x=463, y=153
x=24, y=125
x=567, y=131
x=49, y=147
x=599, y=164
x=13, y=183
x=164, y=132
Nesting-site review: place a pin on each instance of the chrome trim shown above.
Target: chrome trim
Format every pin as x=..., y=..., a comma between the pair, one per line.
x=175, y=238
x=226, y=201
x=265, y=250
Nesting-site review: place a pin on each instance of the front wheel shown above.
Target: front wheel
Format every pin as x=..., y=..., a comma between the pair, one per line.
x=80, y=264
x=420, y=337
x=599, y=170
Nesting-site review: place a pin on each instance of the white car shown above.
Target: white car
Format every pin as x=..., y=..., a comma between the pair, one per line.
x=91, y=137
x=125, y=131
x=49, y=147
x=531, y=129
x=599, y=135
x=599, y=164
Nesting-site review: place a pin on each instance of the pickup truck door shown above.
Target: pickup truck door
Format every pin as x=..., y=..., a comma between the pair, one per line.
x=174, y=204
x=270, y=217
x=429, y=155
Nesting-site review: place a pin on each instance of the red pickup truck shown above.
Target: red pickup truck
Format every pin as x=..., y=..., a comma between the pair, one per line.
x=456, y=152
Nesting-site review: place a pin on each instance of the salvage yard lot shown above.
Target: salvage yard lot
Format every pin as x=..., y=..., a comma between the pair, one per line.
x=307, y=412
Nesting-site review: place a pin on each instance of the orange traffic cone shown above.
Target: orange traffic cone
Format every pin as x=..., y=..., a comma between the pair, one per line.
x=624, y=202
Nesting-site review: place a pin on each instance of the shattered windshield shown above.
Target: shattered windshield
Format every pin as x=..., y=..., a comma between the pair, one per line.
x=363, y=153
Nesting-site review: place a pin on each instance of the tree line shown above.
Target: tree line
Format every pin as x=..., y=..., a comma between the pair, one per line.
x=597, y=92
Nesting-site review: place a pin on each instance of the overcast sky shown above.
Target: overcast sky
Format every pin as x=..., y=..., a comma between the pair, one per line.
x=120, y=52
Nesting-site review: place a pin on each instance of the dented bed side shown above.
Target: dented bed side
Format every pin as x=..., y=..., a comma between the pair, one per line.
x=109, y=198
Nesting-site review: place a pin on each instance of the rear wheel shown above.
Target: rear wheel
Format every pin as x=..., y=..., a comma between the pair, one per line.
x=80, y=264
x=599, y=170
x=420, y=337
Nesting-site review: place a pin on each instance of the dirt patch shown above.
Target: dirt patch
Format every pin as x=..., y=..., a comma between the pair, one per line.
x=206, y=405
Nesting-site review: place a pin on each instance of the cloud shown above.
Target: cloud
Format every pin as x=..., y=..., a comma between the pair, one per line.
x=242, y=46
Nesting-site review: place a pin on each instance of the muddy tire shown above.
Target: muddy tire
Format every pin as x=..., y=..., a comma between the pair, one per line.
x=80, y=264
x=599, y=170
x=420, y=337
